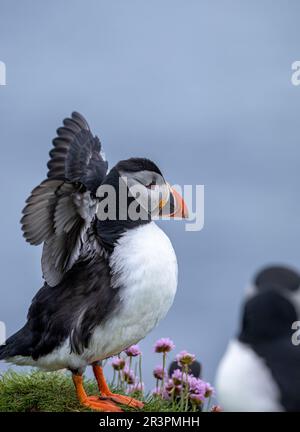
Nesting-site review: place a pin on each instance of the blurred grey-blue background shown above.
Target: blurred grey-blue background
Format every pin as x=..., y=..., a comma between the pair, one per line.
x=202, y=87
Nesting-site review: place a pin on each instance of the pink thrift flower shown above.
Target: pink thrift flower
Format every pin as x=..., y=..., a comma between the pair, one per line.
x=118, y=363
x=164, y=345
x=133, y=351
x=177, y=376
x=196, y=398
x=209, y=390
x=171, y=388
x=158, y=372
x=184, y=358
x=216, y=408
x=128, y=376
x=196, y=386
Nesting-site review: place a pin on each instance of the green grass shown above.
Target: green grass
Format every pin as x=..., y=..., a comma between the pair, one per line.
x=54, y=392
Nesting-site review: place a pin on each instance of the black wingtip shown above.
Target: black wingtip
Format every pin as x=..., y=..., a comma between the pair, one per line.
x=80, y=120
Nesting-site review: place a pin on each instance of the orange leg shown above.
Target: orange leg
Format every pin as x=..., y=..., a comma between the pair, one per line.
x=93, y=402
x=105, y=391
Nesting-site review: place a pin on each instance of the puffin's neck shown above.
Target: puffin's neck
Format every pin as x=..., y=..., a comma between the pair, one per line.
x=110, y=231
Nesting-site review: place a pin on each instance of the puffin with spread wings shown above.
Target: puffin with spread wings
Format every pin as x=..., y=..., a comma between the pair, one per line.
x=108, y=280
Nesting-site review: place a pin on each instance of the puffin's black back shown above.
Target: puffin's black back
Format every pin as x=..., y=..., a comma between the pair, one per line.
x=266, y=327
x=73, y=308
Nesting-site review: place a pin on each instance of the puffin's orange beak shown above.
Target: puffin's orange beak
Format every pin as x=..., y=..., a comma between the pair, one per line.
x=175, y=207
x=180, y=207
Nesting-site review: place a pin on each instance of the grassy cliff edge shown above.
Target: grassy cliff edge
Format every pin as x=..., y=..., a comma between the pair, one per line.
x=52, y=392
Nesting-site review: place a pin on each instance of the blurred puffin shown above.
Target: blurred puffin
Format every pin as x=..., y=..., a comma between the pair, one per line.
x=108, y=282
x=260, y=369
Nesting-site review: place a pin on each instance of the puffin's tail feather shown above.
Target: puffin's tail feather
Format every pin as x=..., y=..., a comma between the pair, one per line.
x=17, y=344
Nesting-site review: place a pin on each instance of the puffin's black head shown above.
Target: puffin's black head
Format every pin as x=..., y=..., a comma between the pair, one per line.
x=278, y=278
x=140, y=194
x=135, y=165
x=267, y=316
x=272, y=304
x=141, y=191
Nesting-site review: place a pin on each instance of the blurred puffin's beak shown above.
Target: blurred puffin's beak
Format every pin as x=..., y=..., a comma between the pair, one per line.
x=175, y=207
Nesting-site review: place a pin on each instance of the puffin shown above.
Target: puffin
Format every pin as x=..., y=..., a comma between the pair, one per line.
x=260, y=368
x=109, y=275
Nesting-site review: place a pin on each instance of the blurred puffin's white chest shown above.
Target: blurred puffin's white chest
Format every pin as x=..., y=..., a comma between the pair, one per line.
x=144, y=266
x=244, y=382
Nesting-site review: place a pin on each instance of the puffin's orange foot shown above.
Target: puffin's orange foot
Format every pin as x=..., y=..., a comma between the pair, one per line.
x=93, y=402
x=105, y=391
x=125, y=400
x=98, y=404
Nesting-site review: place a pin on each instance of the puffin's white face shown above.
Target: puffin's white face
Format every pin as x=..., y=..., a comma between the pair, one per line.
x=154, y=194
x=148, y=188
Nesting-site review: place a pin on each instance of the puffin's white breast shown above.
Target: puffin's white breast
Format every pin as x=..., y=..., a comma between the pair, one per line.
x=244, y=383
x=144, y=266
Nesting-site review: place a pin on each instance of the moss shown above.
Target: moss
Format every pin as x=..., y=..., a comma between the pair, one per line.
x=52, y=391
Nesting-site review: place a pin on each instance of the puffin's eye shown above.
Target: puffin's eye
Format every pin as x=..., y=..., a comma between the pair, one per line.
x=151, y=185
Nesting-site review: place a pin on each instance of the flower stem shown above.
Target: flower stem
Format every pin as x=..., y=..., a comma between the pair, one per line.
x=173, y=398
x=184, y=401
x=208, y=403
x=140, y=368
x=186, y=388
x=163, y=377
x=182, y=391
x=119, y=379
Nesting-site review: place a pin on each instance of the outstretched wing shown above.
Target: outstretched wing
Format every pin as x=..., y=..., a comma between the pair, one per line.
x=76, y=155
x=60, y=211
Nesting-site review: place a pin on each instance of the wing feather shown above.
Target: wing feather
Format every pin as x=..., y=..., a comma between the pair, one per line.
x=61, y=210
x=76, y=155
